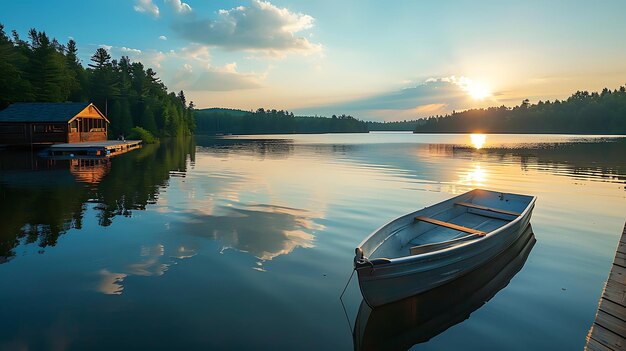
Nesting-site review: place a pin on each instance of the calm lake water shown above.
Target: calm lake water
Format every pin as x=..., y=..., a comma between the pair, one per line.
x=247, y=243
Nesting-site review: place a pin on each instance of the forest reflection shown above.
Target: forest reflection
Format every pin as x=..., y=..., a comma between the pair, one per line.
x=44, y=198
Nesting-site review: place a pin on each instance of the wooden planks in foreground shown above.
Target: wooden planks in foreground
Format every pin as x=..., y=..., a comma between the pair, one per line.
x=608, y=331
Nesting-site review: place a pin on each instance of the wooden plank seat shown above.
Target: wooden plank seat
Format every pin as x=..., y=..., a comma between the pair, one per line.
x=437, y=246
x=485, y=208
x=420, y=249
x=449, y=225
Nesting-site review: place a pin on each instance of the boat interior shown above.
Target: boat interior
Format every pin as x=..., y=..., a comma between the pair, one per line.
x=466, y=217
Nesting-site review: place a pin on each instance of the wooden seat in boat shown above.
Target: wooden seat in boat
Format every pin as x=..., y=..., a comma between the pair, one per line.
x=424, y=248
x=485, y=208
x=449, y=225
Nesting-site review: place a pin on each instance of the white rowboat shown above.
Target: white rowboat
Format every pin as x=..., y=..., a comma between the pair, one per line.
x=435, y=245
x=417, y=319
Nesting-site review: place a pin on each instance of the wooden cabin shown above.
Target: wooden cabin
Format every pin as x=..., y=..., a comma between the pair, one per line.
x=52, y=123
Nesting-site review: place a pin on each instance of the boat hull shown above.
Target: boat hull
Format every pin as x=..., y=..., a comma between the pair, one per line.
x=417, y=319
x=395, y=280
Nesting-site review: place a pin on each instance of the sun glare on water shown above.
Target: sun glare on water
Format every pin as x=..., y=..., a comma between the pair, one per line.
x=478, y=140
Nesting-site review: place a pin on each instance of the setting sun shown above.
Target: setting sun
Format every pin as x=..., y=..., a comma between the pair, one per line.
x=478, y=91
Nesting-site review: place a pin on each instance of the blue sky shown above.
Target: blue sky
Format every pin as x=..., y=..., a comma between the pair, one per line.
x=376, y=60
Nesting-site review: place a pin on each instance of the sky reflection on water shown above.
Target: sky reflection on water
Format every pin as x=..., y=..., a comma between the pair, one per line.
x=247, y=241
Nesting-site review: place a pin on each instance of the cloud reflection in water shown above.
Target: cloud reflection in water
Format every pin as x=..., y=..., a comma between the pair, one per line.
x=111, y=283
x=264, y=231
x=153, y=262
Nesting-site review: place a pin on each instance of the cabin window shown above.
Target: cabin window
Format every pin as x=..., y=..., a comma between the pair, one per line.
x=48, y=128
x=83, y=125
x=11, y=130
x=96, y=125
x=74, y=126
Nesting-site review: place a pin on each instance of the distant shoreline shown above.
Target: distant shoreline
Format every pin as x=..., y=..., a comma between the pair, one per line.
x=521, y=133
x=411, y=133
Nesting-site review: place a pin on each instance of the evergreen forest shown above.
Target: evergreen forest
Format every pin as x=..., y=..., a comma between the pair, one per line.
x=262, y=121
x=582, y=113
x=41, y=69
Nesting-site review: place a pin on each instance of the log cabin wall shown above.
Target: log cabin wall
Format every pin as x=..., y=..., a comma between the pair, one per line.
x=51, y=123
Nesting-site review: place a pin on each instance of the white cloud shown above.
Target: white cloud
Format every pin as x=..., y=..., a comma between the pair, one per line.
x=229, y=68
x=162, y=37
x=179, y=6
x=146, y=6
x=219, y=78
x=153, y=58
x=129, y=51
x=259, y=27
x=195, y=52
x=106, y=47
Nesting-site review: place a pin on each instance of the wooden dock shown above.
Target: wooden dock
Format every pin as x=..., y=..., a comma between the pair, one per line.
x=608, y=331
x=94, y=148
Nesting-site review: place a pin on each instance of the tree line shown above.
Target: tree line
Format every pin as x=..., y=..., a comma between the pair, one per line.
x=41, y=69
x=262, y=121
x=395, y=126
x=581, y=113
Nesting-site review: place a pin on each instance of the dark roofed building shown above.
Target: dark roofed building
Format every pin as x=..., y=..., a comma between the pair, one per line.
x=51, y=123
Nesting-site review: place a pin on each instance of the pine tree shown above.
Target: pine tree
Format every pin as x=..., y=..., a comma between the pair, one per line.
x=76, y=72
x=47, y=71
x=13, y=86
x=181, y=96
x=103, y=85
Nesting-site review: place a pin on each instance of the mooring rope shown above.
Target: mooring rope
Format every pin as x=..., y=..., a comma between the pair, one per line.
x=345, y=312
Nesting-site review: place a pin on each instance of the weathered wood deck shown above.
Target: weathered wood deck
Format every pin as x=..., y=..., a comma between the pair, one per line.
x=95, y=148
x=608, y=331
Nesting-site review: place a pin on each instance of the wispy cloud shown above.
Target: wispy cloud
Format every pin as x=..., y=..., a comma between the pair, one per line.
x=162, y=37
x=195, y=52
x=433, y=96
x=466, y=84
x=261, y=26
x=146, y=6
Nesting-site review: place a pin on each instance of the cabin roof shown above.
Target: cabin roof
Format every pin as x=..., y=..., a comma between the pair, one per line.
x=42, y=111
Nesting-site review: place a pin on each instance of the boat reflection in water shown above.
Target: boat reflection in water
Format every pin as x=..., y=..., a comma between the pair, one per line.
x=402, y=324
